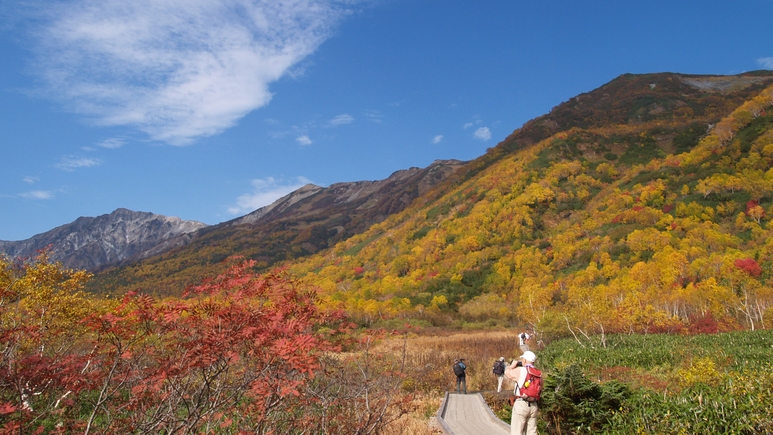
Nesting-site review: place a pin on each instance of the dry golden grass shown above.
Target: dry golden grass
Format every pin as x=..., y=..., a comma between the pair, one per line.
x=429, y=359
x=419, y=421
x=429, y=373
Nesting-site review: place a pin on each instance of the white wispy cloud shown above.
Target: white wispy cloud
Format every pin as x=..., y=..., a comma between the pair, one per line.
x=70, y=164
x=37, y=194
x=483, y=133
x=264, y=192
x=374, y=116
x=342, y=119
x=765, y=62
x=467, y=125
x=30, y=179
x=175, y=69
x=112, y=143
x=437, y=139
x=303, y=140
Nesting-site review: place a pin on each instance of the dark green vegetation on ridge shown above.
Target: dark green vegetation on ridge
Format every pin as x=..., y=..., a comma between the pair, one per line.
x=632, y=99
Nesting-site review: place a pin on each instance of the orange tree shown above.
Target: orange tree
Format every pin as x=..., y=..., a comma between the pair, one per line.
x=235, y=356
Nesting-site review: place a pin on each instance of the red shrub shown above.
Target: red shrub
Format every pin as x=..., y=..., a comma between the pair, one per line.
x=703, y=325
x=750, y=205
x=749, y=266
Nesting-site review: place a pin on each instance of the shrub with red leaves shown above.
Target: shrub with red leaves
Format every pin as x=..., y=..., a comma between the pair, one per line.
x=749, y=266
x=750, y=205
x=235, y=355
x=703, y=325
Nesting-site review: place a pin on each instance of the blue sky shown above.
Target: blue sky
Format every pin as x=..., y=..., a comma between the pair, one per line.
x=207, y=110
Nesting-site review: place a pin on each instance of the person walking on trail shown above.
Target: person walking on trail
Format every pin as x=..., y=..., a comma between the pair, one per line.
x=461, y=376
x=523, y=341
x=499, y=370
x=528, y=386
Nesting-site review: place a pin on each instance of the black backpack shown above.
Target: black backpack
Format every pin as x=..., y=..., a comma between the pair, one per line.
x=499, y=368
x=458, y=370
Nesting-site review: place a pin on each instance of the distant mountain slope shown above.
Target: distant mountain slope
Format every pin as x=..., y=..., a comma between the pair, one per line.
x=643, y=205
x=677, y=100
x=93, y=242
x=304, y=222
x=372, y=199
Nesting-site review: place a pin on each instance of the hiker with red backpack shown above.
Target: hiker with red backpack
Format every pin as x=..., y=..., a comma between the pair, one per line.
x=526, y=394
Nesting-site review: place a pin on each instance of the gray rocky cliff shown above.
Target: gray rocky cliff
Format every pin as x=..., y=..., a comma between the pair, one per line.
x=94, y=242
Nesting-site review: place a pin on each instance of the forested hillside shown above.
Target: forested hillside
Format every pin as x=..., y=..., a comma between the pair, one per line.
x=303, y=222
x=641, y=206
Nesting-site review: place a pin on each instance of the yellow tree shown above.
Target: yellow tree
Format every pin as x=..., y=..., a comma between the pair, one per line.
x=42, y=306
x=648, y=239
x=757, y=183
x=534, y=300
x=709, y=297
x=743, y=276
x=45, y=295
x=589, y=310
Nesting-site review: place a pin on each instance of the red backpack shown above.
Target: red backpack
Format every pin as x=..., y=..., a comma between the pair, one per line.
x=532, y=387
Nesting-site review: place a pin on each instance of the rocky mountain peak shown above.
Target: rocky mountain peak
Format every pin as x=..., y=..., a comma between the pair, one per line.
x=92, y=242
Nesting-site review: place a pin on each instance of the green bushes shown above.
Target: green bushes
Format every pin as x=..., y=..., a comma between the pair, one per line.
x=736, y=403
x=659, y=384
x=572, y=403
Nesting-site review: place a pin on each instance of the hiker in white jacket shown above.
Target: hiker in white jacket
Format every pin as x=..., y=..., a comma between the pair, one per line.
x=525, y=412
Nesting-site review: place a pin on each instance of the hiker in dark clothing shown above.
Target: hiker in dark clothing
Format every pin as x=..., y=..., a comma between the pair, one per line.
x=499, y=371
x=461, y=376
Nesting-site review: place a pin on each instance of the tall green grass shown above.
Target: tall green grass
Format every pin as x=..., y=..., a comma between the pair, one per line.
x=705, y=384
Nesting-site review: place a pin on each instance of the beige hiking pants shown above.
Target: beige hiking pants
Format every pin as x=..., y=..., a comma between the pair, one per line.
x=524, y=418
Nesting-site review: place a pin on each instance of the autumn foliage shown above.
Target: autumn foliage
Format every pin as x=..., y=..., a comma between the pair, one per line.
x=244, y=353
x=644, y=226
x=749, y=266
x=622, y=210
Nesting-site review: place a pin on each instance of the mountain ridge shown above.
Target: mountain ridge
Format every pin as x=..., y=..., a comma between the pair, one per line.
x=92, y=242
x=612, y=103
x=125, y=236
x=301, y=223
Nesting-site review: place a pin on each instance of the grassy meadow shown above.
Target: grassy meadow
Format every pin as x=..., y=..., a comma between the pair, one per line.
x=642, y=384
x=428, y=370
